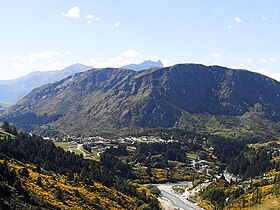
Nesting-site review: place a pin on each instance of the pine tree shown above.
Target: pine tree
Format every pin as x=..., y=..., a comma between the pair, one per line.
x=39, y=181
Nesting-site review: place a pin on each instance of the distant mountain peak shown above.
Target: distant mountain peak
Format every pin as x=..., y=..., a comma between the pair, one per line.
x=152, y=62
x=144, y=65
x=78, y=65
x=13, y=90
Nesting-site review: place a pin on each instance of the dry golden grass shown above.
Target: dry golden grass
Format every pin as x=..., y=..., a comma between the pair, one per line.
x=272, y=204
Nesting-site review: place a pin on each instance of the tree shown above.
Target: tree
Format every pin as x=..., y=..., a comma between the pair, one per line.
x=17, y=184
x=59, y=194
x=24, y=172
x=4, y=189
x=71, y=176
x=145, y=207
x=149, y=170
x=6, y=126
x=39, y=181
x=38, y=169
x=9, y=128
x=215, y=195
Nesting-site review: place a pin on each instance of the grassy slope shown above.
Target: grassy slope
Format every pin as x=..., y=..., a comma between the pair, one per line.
x=272, y=204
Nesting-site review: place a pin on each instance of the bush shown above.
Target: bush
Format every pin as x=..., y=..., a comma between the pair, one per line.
x=145, y=207
x=154, y=190
x=4, y=190
x=215, y=195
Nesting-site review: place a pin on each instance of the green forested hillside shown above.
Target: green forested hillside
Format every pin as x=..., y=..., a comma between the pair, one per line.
x=34, y=173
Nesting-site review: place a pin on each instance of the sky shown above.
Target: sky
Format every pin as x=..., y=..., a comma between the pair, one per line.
x=43, y=35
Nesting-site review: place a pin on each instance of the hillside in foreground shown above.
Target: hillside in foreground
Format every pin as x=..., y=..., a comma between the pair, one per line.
x=217, y=172
x=36, y=174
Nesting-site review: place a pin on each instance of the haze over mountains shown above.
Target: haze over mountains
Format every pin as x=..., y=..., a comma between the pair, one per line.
x=13, y=90
x=3, y=107
x=189, y=96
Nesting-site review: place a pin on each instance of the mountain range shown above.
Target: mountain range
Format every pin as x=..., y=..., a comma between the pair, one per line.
x=13, y=90
x=187, y=96
x=144, y=65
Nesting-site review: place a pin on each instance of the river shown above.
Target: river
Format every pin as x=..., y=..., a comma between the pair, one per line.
x=170, y=200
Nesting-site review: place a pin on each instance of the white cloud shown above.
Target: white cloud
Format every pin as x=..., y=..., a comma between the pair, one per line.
x=229, y=27
x=98, y=19
x=263, y=17
x=42, y=55
x=17, y=62
x=116, y=61
x=56, y=65
x=238, y=20
x=131, y=53
x=48, y=60
x=17, y=66
x=249, y=60
x=216, y=54
x=252, y=22
x=18, y=58
x=88, y=17
x=125, y=58
x=117, y=24
x=273, y=59
x=45, y=58
x=74, y=12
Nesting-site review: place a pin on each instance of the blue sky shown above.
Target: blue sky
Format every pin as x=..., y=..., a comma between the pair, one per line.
x=41, y=35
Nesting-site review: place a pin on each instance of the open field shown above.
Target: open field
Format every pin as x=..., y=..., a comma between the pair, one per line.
x=65, y=145
x=72, y=148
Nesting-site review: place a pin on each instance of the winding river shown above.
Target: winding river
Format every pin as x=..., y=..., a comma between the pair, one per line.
x=177, y=201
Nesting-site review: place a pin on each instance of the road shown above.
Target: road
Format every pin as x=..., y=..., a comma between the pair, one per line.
x=80, y=148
